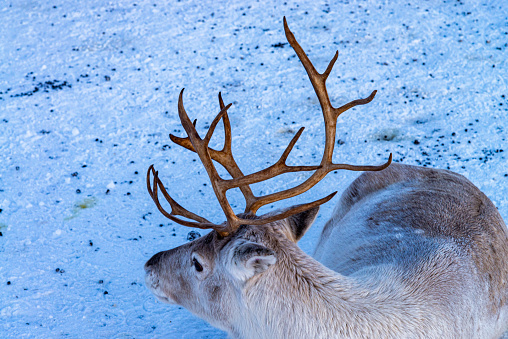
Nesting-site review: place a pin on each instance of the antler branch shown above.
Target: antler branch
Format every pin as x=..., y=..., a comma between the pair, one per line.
x=176, y=208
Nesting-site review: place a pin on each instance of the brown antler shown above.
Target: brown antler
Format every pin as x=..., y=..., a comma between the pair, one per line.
x=225, y=158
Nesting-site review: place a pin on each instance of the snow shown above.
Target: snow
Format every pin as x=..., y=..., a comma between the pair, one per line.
x=88, y=93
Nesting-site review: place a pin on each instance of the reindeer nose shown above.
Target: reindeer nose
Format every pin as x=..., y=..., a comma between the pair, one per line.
x=152, y=262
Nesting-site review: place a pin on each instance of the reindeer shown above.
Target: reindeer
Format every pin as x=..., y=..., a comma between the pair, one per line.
x=409, y=252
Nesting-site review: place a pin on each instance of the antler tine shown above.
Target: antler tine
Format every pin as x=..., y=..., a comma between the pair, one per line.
x=229, y=162
x=227, y=127
x=289, y=212
x=343, y=108
x=318, y=80
x=214, y=123
x=280, y=167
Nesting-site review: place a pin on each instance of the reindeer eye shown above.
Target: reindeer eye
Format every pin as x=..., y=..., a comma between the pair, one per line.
x=197, y=265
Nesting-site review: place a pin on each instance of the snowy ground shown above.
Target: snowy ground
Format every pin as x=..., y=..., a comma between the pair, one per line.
x=88, y=93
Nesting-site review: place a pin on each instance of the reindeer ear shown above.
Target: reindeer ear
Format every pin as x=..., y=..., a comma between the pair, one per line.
x=299, y=223
x=250, y=259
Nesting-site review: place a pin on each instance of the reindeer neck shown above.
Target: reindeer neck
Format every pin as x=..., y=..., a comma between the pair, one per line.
x=300, y=297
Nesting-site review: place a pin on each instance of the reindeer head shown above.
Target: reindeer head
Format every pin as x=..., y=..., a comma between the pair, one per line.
x=209, y=275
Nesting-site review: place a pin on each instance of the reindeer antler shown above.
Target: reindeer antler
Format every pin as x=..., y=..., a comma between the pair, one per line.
x=225, y=157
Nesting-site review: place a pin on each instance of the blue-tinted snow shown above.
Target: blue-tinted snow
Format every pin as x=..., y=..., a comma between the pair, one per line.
x=88, y=94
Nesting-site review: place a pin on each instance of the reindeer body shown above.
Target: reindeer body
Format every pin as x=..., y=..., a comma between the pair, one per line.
x=409, y=252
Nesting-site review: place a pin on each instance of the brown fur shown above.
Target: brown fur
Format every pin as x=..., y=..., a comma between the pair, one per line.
x=442, y=204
